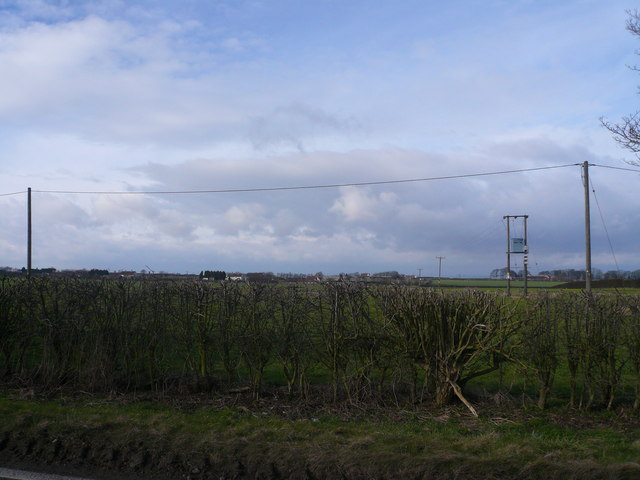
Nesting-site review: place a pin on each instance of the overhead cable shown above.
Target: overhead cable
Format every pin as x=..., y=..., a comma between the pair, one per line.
x=604, y=225
x=303, y=187
x=12, y=193
x=615, y=168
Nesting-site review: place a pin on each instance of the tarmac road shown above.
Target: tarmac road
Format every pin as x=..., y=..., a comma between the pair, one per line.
x=8, y=474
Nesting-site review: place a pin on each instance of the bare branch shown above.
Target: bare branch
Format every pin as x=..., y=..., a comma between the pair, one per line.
x=627, y=132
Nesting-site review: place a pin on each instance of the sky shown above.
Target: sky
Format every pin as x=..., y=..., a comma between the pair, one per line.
x=192, y=95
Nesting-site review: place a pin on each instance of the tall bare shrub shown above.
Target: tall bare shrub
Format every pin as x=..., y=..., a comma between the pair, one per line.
x=61, y=312
x=453, y=336
x=229, y=300
x=572, y=336
x=342, y=319
x=631, y=340
x=16, y=326
x=155, y=317
x=293, y=337
x=194, y=321
x=539, y=348
x=600, y=359
x=256, y=331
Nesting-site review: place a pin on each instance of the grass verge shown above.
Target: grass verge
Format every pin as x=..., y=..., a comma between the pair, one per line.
x=266, y=440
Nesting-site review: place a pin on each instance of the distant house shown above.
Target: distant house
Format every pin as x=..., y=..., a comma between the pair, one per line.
x=544, y=278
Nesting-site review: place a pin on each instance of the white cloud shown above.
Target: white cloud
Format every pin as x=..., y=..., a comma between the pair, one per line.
x=356, y=205
x=244, y=215
x=296, y=124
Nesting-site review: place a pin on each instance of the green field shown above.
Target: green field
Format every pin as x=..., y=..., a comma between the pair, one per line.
x=489, y=283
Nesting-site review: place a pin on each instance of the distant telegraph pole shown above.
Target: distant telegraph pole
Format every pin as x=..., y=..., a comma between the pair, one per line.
x=440, y=268
x=29, y=232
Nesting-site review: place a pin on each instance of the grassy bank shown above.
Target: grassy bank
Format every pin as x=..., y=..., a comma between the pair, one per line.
x=228, y=438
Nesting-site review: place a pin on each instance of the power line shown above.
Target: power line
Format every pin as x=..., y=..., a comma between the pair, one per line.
x=308, y=187
x=616, y=168
x=13, y=193
x=604, y=225
x=305, y=187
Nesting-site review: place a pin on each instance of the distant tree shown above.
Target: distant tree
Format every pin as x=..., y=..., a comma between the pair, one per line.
x=98, y=272
x=627, y=132
x=261, y=277
x=291, y=276
x=618, y=275
x=502, y=273
x=567, y=274
x=213, y=274
x=391, y=274
x=219, y=275
x=36, y=271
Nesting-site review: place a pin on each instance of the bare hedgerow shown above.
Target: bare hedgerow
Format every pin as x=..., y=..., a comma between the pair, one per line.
x=293, y=337
x=387, y=344
x=229, y=301
x=256, y=331
x=158, y=353
x=600, y=358
x=17, y=326
x=540, y=341
x=332, y=329
x=194, y=324
x=342, y=322
x=98, y=331
x=60, y=308
x=631, y=340
x=123, y=301
x=572, y=334
x=366, y=337
x=403, y=309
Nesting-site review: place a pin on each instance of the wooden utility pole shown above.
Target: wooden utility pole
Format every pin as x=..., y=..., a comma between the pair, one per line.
x=587, y=228
x=29, y=232
x=440, y=268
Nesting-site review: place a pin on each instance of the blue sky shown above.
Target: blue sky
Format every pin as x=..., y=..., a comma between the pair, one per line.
x=150, y=95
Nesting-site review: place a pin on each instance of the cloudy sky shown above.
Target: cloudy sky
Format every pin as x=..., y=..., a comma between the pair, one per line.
x=131, y=96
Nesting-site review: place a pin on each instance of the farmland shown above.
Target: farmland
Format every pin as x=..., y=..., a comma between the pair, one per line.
x=491, y=283
x=384, y=365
